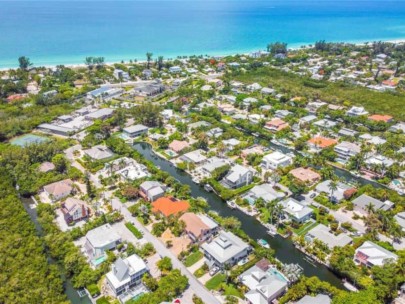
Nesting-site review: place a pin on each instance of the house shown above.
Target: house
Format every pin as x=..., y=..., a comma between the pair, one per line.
x=347, y=132
x=58, y=190
x=74, y=210
x=276, y=160
x=378, y=160
x=325, y=124
x=307, y=119
x=399, y=127
x=199, y=124
x=175, y=69
x=215, y=132
x=150, y=89
x=152, y=190
x=104, y=93
x=265, y=192
x=282, y=114
x=98, y=241
x=346, y=150
x=231, y=144
x=318, y=299
x=370, y=254
x=99, y=152
x=212, y=164
x=265, y=284
x=305, y=175
x=195, y=157
x=342, y=192
x=121, y=75
x=46, y=167
x=55, y=129
x=356, y=111
x=178, y=145
x=199, y=227
x=295, y=210
x=323, y=234
x=383, y=118
x=363, y=201
x=268, y=91
x=168, y=206
x=319, y=143
x=126, y=274
x=248, y=101
x=225, y=249
x=400, y=218
x=238, y=176
x=276, y=124
x=136, y=130
x=147, y=74
x=253, y=87
x=100, y=114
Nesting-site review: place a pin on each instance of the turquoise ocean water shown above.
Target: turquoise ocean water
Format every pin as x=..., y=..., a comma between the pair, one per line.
x=65, y=32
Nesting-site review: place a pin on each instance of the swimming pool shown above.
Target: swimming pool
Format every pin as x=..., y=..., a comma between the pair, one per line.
x=28, y=139
x=274, y=272
x=99, y=260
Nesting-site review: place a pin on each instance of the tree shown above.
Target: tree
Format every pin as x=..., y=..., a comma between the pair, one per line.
x=231, y=223
x=148, y=58
x=277, y=48
x=333, y=186
x=150, y=282
x=160, y=63
x=60, y=162
x=165, y=265
x=24, y=62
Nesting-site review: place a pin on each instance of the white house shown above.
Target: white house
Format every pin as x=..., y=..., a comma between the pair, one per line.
x=295, y=210
x=357, y=111
x=345, y=150
x=370, y=254
x=238, y=176
x=276, y=160
x=136, y=130
x=152, y=190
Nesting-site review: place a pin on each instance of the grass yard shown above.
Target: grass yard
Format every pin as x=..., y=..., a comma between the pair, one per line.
x=193, y=258
x=305, y=228
x=134, y=230
x=102, y=300
x=215, y=282
x=230, y=290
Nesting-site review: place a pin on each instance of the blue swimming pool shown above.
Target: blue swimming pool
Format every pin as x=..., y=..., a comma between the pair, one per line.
x=278, y=274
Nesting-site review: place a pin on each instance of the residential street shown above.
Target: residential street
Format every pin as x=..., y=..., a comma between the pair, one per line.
x=195, y=285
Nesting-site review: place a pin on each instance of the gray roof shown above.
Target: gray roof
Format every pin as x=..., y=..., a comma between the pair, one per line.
x=363, y=200
x=213, y=163
x=99, y=152
x=102, y=236
x=318, y=299
x=225, y=246
x=136, y=128
x=400, y=218
x=120, y=269
x=100, y=113
x=199, y=124
x=295, y=208
x=236, y=172
x=338, y=194
x=51, y=127
x=264, y=191
x=323, y=234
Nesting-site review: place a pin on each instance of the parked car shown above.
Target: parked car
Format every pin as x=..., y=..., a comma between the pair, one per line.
x=214, y=270
x=312, y=195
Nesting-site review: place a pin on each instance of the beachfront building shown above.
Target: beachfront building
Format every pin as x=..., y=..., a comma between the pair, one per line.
x=98, y=241
x=370, y=254
x=126, y=274
x=295, y=210
x=276, y=160
x=225, y=249
x=199, y=227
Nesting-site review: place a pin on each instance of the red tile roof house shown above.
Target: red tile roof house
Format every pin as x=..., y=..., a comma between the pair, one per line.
x=305, y=175
x=319, y=143
x=168, y=206
x=74, y=210
x=199, y=228
x=178, y=146
x=384, y=118
x=57, y=191
x=276, y=124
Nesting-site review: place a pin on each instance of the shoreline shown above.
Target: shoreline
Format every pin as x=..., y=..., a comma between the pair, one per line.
x=219, y=54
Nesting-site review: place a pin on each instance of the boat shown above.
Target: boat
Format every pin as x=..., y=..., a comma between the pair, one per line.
x=263, y=243
x=208, y=188
x=310, y=260
x=272, y=231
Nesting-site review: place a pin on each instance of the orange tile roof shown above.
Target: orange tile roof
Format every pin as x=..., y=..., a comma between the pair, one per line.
x=177, y=145
x=322, y=142
x=305, y=175
x=277, y=123
x=377, y=117
x=169, y=206
x=194, y=224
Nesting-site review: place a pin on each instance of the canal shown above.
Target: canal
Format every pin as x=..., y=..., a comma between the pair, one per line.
x=70, y=292
x=284, y=248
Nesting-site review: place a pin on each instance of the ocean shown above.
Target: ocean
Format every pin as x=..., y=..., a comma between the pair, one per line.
x=65, y=32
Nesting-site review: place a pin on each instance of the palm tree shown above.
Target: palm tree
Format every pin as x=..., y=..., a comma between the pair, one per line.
x=370, y=208
x=160, y=62
x=148, y=58
x=333, y=186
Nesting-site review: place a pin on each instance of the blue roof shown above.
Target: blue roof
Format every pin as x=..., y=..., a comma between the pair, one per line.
x=99, y=91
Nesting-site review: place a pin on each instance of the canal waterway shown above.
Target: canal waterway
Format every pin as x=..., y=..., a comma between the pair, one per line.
x=284, y=248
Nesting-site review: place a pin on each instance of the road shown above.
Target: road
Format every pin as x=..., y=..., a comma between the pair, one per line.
x=195, y=285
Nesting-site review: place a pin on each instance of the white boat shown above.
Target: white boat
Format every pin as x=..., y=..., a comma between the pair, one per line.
x=272, y=231
x=263, y=243
x=208, y=188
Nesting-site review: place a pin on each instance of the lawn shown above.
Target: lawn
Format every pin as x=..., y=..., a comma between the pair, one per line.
x=201, y=271
x=102, y=300
x=230, y=290
x=305, y=228
x=134, y=230
x=193, y=258
x=215, y=282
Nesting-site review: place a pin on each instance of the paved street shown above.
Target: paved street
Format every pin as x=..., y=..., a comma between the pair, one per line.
x=195, y=285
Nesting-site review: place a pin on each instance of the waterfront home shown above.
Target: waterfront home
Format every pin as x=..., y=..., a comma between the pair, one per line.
x=318, y=143
x=238, y=176
x=74, y=210
x=178, y=145
x=125, y=274
x=318, y=299
x=175, y=69
x=345, y=150
x=276, y=160
x=199, y=227
x=265, y=192
x=342, y=192
x=323, y=234
x=225, y=249
x=276, y=124
x=248, y=101
x=152, y=190
x=195, y=157
x=268, y=91
x=305, y=175
x=356, y=111
x=253, y=87
x=198, y=124
x=212, y=164
x=282, y=114
x=400, y=218
x=101, y=114
x=136, y=130
x=383, y=118
x=378, y=160
x=370, y=254
x=363, y=201
x=58, y=190
x=168, y=206
x=255, y=149
x=98, y=241
x=99, y=152
x=295, y=210
x=265, y=283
